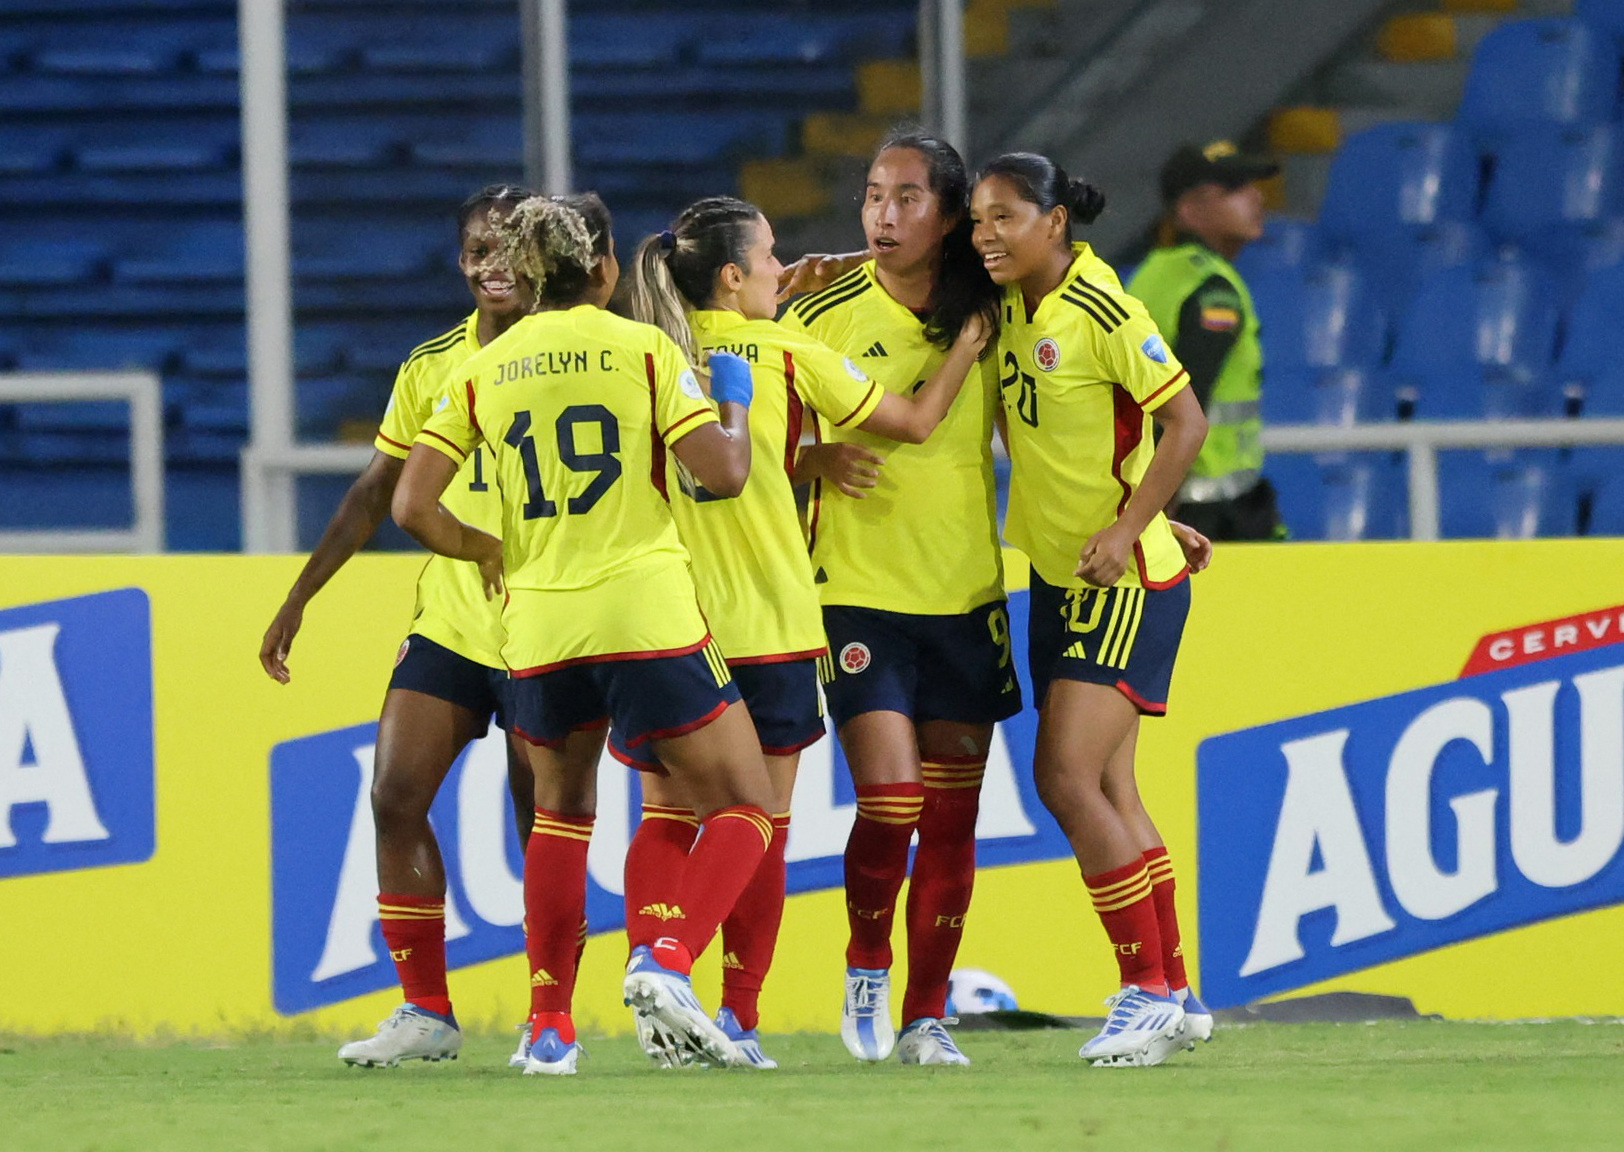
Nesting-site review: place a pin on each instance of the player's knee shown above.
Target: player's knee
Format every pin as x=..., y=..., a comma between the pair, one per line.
x=399, y=802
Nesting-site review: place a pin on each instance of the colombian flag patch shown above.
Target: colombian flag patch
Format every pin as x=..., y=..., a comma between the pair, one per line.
x=1220, y=319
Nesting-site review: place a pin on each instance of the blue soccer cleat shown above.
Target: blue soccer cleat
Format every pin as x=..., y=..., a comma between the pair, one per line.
x=1197, y=1018
x=745, y=1040
x=865, y=1017
x=653, y=990
x=550, y=1056
x=1142, y=1029
x=925, y=1041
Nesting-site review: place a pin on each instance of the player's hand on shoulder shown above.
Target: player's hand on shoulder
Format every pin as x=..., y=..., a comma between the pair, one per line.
x=1197, y=548
x=1105, y=557
x=273, y=650
x=850, y=467
x=975, y=332
x=730, y=380
x=814, y=272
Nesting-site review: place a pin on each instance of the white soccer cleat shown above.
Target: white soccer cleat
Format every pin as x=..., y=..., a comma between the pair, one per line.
x=653, y=990
x=522, y=1053
x=550, y=1056
x=925, y=1041
x=660, y=1044
x=1141, y=1030
x=865, y=1017
x=1197, y=1018
x=410, y=1033
x=745, y=1040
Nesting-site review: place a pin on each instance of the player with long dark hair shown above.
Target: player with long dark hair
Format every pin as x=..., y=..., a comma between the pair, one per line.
x=710, y=283
x=1083, y=374
x=599, y=611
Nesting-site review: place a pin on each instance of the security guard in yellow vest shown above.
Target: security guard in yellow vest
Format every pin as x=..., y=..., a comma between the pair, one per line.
x=1214, y=208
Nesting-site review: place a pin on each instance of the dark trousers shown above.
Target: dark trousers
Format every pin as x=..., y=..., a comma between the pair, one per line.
x=1250, y=516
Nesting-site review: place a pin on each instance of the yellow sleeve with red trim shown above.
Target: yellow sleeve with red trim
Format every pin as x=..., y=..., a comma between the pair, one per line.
x=454, y=428
x=680, y=404
x=1138, y=358
x=835, y=387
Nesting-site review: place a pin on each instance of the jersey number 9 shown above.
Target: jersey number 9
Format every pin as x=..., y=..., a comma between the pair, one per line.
x=604, y=464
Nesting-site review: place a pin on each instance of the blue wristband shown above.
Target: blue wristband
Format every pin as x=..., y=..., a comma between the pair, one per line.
x=730, y=379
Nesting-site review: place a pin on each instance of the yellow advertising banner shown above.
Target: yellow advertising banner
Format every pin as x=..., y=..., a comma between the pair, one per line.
x=1390, y=768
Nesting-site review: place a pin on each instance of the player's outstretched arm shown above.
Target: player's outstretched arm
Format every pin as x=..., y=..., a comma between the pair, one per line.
x=814, y=272
x=360, y=512
x=421, y=516
x=911, y=419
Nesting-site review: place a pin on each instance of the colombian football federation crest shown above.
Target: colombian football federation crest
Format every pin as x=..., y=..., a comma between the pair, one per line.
x=854, y=657
x=1046, y=354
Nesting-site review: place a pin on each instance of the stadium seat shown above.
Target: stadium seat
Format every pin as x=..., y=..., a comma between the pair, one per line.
x=94, y=347
x=1553, y=187
x=1364, y=496
x=347, y=142
x=1391, y=185
x=1478, y=341
x=33, y=151
x=1605, y=16
x=331, y=247
x=1285, y=243
x=1539, y=71
x=1505, y=495
x=1607, y=507
x=1334, y=397
x=644, y=40
x=198, y=252
x=1300, y=493
x=646, y=140
x=485, y=143
x=55, y=260
x=169, y=146
x=1318, y=316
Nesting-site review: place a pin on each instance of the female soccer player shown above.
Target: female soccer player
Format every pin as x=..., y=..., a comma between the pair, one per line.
x=578, y=408
x=710, y=283
x=1084, y=371
x=449, y=678
x=906, y=558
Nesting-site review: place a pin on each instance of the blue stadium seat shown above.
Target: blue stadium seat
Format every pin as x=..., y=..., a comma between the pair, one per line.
x=1478, y=342
x=647, y=139
x=55, y=260
x=94, y=347
x=1539, y=71
x=1590, y=343
x=1391, y=184
x=198, y=252
x=1337, y=397
x=1607, y=507
x=1318, y=316
x=347, y=142
x=485, y=143
x=1365, y=496
x=1285, y=243
x=1605, y=16
x=1553, y=187
x=1300, y=493
x=335, y=248
x=33, y=151
x=167, y=146
x=1505, y=495
x=798, y=38
x=645, y=40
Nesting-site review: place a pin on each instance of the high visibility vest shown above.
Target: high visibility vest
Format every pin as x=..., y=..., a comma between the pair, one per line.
x=1231, y=460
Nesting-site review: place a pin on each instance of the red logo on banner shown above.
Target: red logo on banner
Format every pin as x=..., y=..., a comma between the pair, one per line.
x=1542, y=641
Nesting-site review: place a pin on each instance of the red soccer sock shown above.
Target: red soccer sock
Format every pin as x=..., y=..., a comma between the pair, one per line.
x=731, y=843
x=876, y=863
x=1160, y=868
x=654, y=859
x=944, y=875
x=750, y=931
x=414, y=931
x=1123, y=901
x=554, y=906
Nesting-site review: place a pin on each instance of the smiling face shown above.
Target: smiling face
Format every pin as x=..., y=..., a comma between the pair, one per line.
x=497, y=292
x=1015, y=239
x=903, y=219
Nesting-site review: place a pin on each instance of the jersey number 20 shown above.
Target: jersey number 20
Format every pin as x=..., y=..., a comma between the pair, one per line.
x=605, y=464
x=1026, y=402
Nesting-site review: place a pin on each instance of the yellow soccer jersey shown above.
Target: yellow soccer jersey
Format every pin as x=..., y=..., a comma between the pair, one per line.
x=750, y=562
x=1079, y=381
x=451, y=605
x=925, y=540
x=578, y=408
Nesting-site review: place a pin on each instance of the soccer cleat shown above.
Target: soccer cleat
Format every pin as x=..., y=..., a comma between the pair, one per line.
x=925, y=1041
x=1197, y=1018
x=522, y=1054
x=660, y=1044
x=1141, y=1030
x=865, y=1018
x=410, y=1033
x=745, y=1040
x=550, y=1056
x=653, y=990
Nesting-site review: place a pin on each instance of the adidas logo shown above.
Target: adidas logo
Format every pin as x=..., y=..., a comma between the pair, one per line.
x=876, y=349
x=1076, y=652
x=541, y=979
x=731, y=960
x=662, y=911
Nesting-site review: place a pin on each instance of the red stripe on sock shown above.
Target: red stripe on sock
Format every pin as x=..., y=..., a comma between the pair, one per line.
x=654, y=862
x=417, y=946
x=1167, y=917
x=750, y=931
x=944, y=873
x=1133, y=931
x=876, y=863
x=554, y=906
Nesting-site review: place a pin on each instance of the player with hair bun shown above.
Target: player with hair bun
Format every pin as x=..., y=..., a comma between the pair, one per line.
x=710, y=283
x=578, y=408
x=1083, y=373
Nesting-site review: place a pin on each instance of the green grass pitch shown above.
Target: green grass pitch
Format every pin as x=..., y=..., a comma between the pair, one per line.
x=1425, y=1085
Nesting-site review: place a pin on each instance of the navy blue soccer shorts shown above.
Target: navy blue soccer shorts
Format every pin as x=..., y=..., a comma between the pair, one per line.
x=1125, y=638
x=642, y=699
x=954, y=668
x=423, y=666
x=783, y=700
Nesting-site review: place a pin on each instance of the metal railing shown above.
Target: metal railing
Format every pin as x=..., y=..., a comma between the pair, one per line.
x=144, y=393
x=1422, y=440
